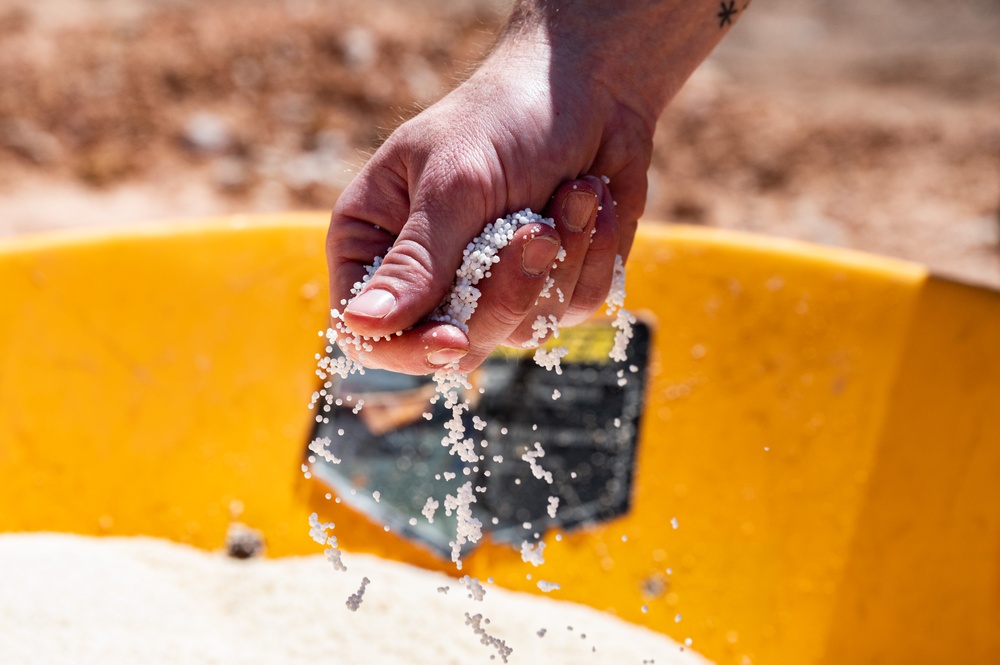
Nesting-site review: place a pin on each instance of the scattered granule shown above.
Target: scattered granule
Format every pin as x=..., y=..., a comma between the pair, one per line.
x=541, y=327
x=466, y=451
x=553, y=506
x=546, y=291
x=377, y=496
x=354, y=600
x=551, y=359
x=318, y=532
x=332, y=554
x=476, y=621
x=533, y=553
x=478, y=423
x=319, y=446
x=624, y=319
x=531, y=457
x=556, y=394
x=546, y=587
x=443, y=589
x=475, y=588
x=541, y=632
x=318, y=529
x=430, y=506
x=468, y=529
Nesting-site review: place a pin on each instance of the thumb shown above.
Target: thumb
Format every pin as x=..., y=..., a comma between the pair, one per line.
x=418, y=270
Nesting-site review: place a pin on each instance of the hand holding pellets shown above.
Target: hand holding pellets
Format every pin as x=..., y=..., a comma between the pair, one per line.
x=556, y=104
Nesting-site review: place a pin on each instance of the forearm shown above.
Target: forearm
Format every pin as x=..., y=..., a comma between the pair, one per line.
x=642, y=51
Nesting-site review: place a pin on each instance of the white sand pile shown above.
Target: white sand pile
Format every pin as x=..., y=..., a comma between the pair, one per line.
x=73, y=599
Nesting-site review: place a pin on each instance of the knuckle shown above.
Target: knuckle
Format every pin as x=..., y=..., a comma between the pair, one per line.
x=508, y=314
x=411, y=265
x=463, y=174
x=455, y=182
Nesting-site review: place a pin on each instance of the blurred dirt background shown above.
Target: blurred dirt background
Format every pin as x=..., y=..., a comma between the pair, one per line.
x=868, y=124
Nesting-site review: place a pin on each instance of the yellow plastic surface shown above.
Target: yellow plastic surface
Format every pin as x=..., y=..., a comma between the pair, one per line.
x=823, y=425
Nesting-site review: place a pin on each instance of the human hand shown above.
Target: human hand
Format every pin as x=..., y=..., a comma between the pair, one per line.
x=502, y=141
x=548, y=106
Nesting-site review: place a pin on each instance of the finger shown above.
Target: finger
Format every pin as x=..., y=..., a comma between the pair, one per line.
x=594, y=280
x=423, y=349
x=628, y=179
x=573, y=208
x=363, y=225
x=418, y=270
x=366, y=223
x=509, y=294
x=628, y=188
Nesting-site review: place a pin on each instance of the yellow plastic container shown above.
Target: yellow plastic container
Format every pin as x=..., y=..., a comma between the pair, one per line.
x=823, y=425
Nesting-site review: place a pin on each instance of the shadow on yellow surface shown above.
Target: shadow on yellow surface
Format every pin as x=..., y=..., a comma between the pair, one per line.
x=823, y=425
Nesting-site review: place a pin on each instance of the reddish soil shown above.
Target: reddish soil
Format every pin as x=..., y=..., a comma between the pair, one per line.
x=873, y=125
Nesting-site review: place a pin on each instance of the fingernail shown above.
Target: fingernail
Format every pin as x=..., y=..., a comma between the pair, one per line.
x=374, y=304
x=445, y=356
x=579, y=209
x=538, y=254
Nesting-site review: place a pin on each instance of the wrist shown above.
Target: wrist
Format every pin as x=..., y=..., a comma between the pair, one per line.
x=640, y=51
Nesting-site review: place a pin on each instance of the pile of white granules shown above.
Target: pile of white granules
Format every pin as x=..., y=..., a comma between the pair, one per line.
x=117, y=601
